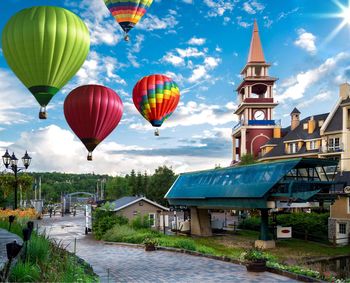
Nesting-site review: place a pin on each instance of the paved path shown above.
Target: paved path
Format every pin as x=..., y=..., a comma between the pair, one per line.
x=5, y=238
x=127, y=264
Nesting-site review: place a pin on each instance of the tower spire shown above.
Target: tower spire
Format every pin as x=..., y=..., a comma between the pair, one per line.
x=256, y=54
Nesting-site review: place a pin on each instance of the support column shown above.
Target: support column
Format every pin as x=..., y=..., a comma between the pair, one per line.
x=265, y=241
x=243, y=142
x=234, y=149
x=200, y=222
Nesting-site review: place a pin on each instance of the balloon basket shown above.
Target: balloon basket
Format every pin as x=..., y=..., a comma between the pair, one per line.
x=156, y=132
x=42, y=115
x=89, y=157
x=127, y=38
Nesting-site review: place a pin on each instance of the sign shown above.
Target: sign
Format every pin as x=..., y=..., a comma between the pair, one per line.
x=88, y=217
x=284, y=232
x=347, y=190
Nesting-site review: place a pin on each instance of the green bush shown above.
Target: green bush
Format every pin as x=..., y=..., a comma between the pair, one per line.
x=315, y=224
x=127, y=234
x=38, y=249
x=104, y=220
x=25, y=272
x=140, y=223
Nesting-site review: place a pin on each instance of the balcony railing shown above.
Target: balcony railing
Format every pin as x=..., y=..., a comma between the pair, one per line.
x=261, y=122
x=258, y=100
x=332, y=149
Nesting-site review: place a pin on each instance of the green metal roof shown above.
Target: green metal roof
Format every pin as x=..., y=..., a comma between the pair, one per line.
x=251, y=181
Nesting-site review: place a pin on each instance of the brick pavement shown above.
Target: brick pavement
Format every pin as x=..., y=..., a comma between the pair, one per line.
x=5, y=238
x=128, y=264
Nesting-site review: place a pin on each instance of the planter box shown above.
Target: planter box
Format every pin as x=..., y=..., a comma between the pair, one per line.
x=256, y=266
x=150, y=248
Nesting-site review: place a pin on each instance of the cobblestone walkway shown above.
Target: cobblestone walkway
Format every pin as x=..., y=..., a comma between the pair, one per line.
x=5, y=238
x=126, y=264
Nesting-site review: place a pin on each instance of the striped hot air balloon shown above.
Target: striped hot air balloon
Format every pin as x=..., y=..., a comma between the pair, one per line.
x=128, y=12
x=45, y=46
x=93, y=112
x=156, y=98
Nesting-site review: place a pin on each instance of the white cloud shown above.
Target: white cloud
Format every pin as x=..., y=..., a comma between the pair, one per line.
x=243, y=23
x=14, y=98
x=306, y=41
x=102, y=26
x=201, y=71
x=252, y=7
x=219, y=7
x=295, y=87
x=196, y=41
x=322, y=96
x=193, y=113
x=151, y=22
x=173, y=59
x=189, y=52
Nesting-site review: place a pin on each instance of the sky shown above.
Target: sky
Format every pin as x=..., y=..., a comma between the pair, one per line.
x=202, y=45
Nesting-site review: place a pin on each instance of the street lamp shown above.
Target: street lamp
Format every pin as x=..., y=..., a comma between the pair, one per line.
x=12, y=161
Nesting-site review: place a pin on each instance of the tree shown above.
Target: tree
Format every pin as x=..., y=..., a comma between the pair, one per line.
x=160, y=183
x=247, y=159
x=117, y=187
x=132, y=183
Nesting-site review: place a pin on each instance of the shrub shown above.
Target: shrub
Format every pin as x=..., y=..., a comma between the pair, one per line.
x=140, y=223
x=127, y=234
x=38, y=249
x=104, y=220
x=25, y=272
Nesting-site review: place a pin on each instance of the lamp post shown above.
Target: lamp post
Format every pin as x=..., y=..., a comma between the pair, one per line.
x=12, y=162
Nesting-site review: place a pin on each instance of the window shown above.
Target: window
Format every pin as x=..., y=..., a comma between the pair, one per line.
x=293, y=148
x=334, y=144
x=152, y=219
x=313, y=145
x=348, y=205
x=320, y=123
x=342, y=228
x=305, y=126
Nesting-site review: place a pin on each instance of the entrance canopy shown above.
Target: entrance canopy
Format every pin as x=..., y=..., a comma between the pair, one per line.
x=259, y=185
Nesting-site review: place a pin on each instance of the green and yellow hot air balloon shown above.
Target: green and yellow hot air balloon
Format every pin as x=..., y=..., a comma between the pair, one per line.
x=45, y=46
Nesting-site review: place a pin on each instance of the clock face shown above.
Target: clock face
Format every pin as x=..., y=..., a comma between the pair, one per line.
x=259, y=115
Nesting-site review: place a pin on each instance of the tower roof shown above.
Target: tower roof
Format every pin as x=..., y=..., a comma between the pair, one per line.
x=295, y=111
x=256, y=54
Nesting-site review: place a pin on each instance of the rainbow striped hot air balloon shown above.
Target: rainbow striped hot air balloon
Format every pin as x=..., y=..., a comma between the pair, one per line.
x=156, y=98
x=128, y=12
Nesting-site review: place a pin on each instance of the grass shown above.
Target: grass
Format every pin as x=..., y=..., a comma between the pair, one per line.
x=48, y=262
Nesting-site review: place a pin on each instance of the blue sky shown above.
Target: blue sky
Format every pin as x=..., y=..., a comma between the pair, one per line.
x=202, y=45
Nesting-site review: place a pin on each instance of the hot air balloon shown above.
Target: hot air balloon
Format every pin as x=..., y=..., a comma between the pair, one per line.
x=93, y=112
x=156, y=98
x=45, y=46
x=128, y=13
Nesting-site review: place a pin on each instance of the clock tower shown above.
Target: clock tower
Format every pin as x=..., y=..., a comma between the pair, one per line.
x=256, y=125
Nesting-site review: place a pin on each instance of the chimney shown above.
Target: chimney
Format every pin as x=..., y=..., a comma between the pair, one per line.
x=311, y=125
x=344, y=91
x=295, y=119
x=277, y=132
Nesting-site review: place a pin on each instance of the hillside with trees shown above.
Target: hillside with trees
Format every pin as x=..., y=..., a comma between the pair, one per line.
x=54, y=184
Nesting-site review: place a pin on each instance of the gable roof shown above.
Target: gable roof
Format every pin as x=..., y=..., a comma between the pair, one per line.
x=295, y=111
x=297, y=134
x=336, y=123
x=127, y=201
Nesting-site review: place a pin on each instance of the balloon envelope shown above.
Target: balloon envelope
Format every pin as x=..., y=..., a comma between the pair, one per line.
x=93, y=112
x=128, y=13
x=45, y=46
x=156, y=97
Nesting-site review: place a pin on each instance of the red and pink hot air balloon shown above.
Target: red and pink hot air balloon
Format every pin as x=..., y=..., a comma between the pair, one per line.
x=93, y=112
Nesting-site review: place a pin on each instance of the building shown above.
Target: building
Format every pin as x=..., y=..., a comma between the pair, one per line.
x=262, y=186
x=131, y=207
x=320, y=136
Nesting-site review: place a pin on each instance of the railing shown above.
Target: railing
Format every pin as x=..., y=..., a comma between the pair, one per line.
x=261, y=122
x=333, y=149
x=239, y=124
x=258, y=100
